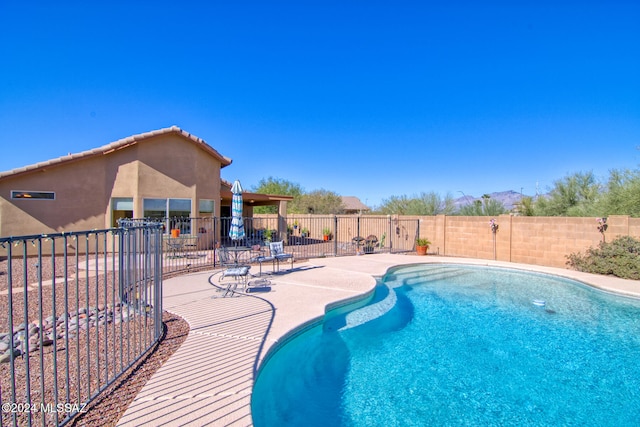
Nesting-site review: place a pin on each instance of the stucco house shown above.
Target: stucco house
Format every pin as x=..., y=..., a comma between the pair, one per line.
x=163, y=173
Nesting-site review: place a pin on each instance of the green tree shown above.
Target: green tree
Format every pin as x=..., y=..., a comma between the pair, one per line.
x=471, y=209
x=319, y=202
x=432, y=204
x=622, y=195
x=278, y=186
x=525, y=206
x=425, y=204
x=485, y=207
x=398, y=205
x=573, y=195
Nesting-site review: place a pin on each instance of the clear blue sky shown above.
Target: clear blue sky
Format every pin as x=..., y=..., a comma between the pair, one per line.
x=364, y=98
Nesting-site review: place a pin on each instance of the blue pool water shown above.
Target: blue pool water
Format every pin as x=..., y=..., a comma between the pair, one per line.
x=457, y=345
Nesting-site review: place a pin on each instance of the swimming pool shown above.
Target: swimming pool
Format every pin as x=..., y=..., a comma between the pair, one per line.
x=461, y=345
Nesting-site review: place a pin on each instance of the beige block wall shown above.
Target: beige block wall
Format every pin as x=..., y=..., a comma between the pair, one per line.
x=548, y=240
x=468, y=236
x=529, y=240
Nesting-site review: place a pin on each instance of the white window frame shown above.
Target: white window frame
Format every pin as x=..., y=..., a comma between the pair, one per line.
x=167, y=212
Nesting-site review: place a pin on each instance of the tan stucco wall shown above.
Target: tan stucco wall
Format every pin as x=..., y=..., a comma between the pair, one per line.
x=79, y=204
x=164, y=166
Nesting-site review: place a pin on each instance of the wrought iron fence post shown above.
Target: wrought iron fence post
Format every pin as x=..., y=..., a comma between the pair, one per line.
x=336, y=234
x=11, y=326
x=157, y=282
x=121, y=264
x=215, y=239
x=390, y=224
x=358, y=234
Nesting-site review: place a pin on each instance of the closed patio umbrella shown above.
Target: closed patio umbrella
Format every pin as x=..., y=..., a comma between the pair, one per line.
x=236, y=231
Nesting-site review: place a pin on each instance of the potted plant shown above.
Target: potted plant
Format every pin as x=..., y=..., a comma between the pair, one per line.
x=368, y=247
x=267, y=235
x=370, y=244
x=326, y=233
x=422, y=246
x=304, y=232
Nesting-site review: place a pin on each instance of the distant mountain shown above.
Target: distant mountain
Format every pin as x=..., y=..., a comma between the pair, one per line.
x=507, y=198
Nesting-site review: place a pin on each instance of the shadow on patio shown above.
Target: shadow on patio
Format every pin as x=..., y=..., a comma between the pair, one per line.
x=210, y=378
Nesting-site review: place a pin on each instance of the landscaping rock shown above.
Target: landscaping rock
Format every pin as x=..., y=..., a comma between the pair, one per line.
x=65, y=325
x=6, y=356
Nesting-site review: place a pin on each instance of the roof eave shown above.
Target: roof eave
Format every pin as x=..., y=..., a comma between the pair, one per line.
x=114, y=146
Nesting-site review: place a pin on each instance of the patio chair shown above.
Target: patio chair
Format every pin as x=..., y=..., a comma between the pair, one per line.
x=278, y=253
x=238, y=272
x=240, y=275
x=260, y=257
x=225, y=258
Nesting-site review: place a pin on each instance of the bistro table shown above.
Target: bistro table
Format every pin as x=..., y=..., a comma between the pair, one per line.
x=179, y=245
x=238, y=253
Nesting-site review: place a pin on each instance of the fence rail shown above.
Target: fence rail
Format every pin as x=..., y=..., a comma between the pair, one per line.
x=75, y=317
x=190, y=243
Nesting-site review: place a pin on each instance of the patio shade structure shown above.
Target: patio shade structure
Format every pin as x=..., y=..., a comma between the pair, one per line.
x=236, y=231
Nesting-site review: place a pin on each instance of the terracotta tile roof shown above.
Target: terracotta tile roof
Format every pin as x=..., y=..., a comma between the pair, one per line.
x=118, y=145
x=352, y=203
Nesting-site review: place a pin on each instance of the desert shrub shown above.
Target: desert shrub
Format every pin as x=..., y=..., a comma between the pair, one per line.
x=620, y=258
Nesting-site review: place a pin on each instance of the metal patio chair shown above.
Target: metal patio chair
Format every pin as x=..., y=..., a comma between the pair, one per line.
x=278, y=254
x=231, y=269
x=260, y=257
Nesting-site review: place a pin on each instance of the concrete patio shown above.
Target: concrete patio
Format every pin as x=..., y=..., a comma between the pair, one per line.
x=209, y=380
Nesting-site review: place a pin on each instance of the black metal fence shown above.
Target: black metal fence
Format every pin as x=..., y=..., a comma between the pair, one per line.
x=190, y=243
x=77, y=310
x=315, y=235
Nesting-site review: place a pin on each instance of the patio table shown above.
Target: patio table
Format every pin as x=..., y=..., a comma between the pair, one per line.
x=238, y=253
x=178, y=245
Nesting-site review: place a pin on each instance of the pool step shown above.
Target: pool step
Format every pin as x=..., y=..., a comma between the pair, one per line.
x=418, y=275
x=370, y=312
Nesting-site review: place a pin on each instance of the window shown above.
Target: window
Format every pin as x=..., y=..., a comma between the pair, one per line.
x=34, y=195
x=121, y=207
x=154, y=208
x=206, y=206
x=174, y=212
x=179, y=207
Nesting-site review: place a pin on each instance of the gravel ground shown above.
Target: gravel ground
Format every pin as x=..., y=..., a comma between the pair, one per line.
x=112, y=403
x=108, y=409
x=91, y=357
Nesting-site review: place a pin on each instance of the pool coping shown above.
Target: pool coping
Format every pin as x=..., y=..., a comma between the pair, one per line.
x=209, y=379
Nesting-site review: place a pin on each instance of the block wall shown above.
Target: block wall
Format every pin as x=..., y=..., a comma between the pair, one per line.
x=530, y=240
